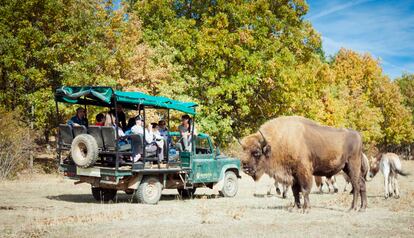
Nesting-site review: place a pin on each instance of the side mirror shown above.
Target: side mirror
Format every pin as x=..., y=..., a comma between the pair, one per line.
x=217, y=151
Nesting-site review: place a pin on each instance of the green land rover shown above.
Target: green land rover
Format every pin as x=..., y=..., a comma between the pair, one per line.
x=100, y=156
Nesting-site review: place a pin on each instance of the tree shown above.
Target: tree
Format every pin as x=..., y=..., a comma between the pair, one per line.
x=45, y=44
x=406, y=84
x=237, y=56
x=374, y=103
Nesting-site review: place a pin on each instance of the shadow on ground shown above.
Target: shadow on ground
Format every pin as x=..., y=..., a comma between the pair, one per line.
x=122, y=198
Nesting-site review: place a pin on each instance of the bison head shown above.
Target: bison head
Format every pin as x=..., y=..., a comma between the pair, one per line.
x=256, y=155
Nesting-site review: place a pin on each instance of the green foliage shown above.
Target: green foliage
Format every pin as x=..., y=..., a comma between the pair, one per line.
x=45, y=44
x=235, y=55
x=406, y=84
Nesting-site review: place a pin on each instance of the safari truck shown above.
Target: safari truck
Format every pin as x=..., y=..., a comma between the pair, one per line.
x=95, y=155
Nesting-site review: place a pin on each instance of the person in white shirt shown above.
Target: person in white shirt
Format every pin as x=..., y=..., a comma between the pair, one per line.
x=154, y=141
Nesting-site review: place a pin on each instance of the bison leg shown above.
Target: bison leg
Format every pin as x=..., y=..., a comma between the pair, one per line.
x=306, y=185
x=363, y=192
x=353, y=173
x=296, y=195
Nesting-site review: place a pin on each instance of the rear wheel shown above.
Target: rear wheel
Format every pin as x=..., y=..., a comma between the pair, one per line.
x=186, y=193
x=103, y=194
x=230, y=186
x=149, y=190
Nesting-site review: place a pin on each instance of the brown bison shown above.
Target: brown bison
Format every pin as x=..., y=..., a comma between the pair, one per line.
x=293, y=149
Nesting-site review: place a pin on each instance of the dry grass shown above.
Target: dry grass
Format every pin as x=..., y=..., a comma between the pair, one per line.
x=49, y=206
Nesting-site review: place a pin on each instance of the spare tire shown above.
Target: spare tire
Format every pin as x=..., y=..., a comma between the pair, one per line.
x=84, y=150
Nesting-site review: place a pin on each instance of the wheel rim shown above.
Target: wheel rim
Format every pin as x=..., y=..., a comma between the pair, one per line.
x=230, y=186
x=83, y=150
x=151, y=191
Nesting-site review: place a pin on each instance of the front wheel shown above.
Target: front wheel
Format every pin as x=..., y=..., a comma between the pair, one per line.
x=230, y=186
x=149, y=190
x=103, y=194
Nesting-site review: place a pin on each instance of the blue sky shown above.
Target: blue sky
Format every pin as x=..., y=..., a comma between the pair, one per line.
x=383, y=28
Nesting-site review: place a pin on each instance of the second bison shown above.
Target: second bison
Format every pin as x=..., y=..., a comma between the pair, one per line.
x=293, y=149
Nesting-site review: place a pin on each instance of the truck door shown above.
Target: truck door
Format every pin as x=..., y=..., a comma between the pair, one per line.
x=204, y=165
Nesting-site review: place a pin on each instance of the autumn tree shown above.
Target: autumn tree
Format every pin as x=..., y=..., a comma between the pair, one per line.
x=45, y=44
x=237, y=56
x=406, y=84
x=374, y=103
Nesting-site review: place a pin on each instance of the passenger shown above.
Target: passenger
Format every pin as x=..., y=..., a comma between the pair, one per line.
x=153, y=141
x=79, y=119
x=110, y=121
x=162, y=128
x=130, y=124
x=185, y=129
x=155, y=128
x=100, y=119
x=157, y=135
x=121, y=116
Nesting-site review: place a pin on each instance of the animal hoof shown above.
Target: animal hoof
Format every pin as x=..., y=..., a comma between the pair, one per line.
x=397, y=196
x=335, y=190
x=362, y=209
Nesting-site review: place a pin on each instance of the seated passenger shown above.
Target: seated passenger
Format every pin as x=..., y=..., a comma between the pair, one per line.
x=121, y=116
x=110, y=121
x=185, y=129
x=152, y=141
x=130, y=124
x=100, y=119
x=79, y=119
x=162, y=128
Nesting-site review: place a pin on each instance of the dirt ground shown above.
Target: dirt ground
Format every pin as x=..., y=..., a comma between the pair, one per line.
x=50, y=206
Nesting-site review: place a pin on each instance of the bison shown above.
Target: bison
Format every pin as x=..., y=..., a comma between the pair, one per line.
x=293, y=149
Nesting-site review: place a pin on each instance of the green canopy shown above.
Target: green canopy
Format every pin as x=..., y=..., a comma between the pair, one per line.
x=105, y=96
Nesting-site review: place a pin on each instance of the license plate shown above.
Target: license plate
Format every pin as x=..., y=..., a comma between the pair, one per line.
x=93, y=172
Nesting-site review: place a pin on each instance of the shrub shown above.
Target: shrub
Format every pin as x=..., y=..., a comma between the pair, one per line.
x=15, y=143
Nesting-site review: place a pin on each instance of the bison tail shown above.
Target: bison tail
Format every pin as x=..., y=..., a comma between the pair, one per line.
x=402, y=173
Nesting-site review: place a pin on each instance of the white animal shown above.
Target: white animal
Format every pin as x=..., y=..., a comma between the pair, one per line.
x=330, y=182
x=390, y=166
x=271, y=183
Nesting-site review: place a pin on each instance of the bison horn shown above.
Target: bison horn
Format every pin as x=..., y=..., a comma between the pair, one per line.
x=238, y=140
x=264, y=139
